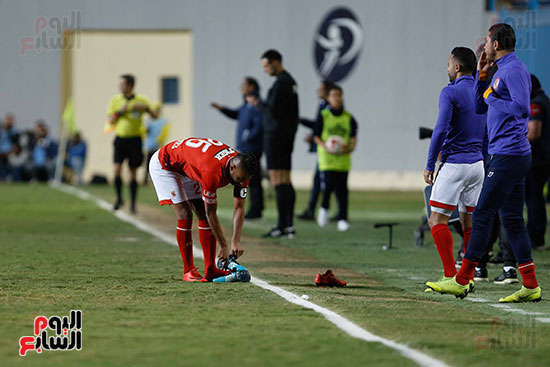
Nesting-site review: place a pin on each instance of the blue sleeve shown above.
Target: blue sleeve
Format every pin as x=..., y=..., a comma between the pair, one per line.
x=441, y=127
x=255, y=132
x=518, y=85
x=479, y=88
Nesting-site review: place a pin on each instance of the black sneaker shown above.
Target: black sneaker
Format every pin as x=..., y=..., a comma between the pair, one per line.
x=306, y=215
x=290, y=232
x=118, y=204
x=481, y=275
x=507, y=277
x=277, y=232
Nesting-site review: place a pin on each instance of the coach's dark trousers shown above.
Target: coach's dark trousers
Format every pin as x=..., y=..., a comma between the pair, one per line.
x=256, y=192
x=503, y=191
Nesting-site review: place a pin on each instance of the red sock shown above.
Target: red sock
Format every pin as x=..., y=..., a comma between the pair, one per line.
x=208, y=243
x=444, y=243
x=185, y=244
x=467, y=235
x=527, y=271
x=466, y=272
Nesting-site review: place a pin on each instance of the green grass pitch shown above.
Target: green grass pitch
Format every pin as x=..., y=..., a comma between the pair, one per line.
x=60, y=253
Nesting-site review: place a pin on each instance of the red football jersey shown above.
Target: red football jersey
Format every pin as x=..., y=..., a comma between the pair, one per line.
x=203, y=160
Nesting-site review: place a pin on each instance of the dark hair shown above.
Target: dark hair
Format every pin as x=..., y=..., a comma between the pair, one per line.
x=535, y=83
x=272, y=55
x=249, y=162
x=466, y=58
x=504, y=34
x=253, y=82
x=327, y=83
x=335, y=87
x=129, y=78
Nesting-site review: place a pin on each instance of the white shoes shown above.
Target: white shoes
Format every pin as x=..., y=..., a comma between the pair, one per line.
x=322, y=220
x=322, y=217
x=343, y=225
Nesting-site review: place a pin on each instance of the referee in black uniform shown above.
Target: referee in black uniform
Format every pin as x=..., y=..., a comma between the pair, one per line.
x=280, y=121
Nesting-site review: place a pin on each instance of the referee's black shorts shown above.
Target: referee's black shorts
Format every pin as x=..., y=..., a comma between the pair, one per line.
x=278, y=152
x=130, y=148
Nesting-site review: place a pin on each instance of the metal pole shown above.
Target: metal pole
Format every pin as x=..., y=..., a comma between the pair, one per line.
x=61, y=153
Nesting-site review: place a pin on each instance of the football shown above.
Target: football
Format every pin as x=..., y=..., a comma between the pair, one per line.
x=335, y=144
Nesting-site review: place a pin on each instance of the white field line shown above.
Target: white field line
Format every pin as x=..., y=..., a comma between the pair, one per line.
x=341, y=322
x=477, y=300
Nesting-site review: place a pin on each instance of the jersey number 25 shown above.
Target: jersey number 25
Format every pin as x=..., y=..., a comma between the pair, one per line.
x=205, y=143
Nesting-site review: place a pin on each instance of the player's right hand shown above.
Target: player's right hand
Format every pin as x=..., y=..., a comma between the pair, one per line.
x=484, y=64
x=216, y=106
x=429, y=177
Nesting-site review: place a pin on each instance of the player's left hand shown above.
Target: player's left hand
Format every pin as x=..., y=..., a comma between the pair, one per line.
x=236, y=249
x=223, y=254
x=429, y=177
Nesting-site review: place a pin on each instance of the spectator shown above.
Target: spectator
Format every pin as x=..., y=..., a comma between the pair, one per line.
x=76, y=156
x=249, y=139
x=17, y=162
x=9, y=136
x=43, y=153
x=322, y=93
x=280, y=122
x=156, y=132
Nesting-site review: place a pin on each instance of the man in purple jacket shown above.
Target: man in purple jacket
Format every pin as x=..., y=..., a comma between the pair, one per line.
x=458, y=136
x=505, y=98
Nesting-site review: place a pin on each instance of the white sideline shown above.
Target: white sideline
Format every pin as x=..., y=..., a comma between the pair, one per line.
x=341, y=322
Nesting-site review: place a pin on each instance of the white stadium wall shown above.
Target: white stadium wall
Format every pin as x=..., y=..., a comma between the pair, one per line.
x=392, y=89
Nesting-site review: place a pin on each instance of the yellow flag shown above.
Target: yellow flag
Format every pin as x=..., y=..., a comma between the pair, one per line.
x=68, y=116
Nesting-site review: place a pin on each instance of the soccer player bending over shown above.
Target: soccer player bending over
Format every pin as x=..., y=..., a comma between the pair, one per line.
x=505, y=98
x=458, y=135
x=186, y=173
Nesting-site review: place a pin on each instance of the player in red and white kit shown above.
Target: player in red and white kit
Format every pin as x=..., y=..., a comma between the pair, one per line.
x=186, y=173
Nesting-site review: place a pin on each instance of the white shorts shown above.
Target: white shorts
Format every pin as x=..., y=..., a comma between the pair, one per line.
x=172, y=187
x=457, y=183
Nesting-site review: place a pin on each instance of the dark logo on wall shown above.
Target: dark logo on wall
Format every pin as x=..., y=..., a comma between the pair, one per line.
x=338, y=43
